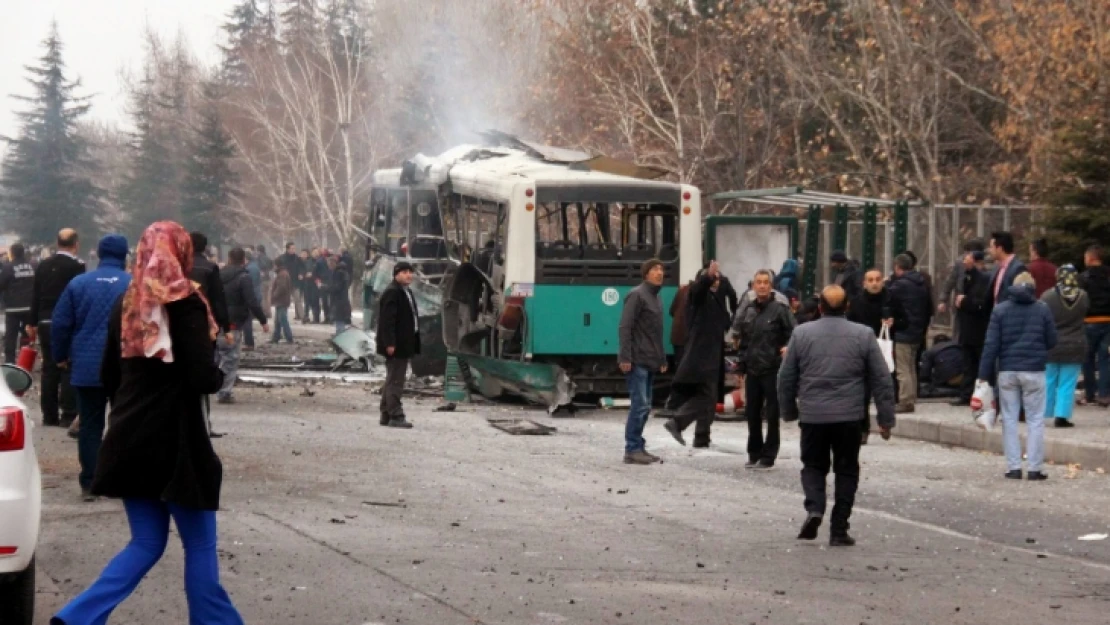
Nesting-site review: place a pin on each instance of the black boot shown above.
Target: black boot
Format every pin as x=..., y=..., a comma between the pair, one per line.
x=809, y=527
x=841, y=540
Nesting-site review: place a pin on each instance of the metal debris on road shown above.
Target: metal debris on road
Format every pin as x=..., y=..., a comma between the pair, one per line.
x=1094, y=537
x=522, y=427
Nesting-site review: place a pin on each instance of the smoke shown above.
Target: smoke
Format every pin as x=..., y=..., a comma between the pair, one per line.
x=459, y=67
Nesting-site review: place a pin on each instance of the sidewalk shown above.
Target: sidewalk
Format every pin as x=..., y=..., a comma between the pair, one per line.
x=1087, y=444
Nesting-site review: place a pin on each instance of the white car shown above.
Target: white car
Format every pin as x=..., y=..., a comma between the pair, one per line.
x=20, y=501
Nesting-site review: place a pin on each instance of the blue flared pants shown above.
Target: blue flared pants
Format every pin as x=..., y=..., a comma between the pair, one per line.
x=150, y=529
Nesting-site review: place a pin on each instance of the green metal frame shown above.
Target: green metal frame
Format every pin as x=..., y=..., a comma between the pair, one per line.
x=870, y=227
x=813, y=241
x=712, y=222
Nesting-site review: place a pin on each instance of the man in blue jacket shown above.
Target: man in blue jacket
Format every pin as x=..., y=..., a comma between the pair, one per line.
x=1022, y=331
x=78, y=333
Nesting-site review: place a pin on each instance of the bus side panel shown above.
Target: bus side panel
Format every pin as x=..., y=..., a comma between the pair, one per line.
x=569, y=320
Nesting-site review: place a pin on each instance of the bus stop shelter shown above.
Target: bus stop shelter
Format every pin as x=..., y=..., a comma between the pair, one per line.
x=799, y=202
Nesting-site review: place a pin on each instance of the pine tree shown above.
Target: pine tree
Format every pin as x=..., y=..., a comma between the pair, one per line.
x=45, y=184
x=209, y=184
x=298, y=22
x=150, y=187
x=245, y=23
x=1080, y=202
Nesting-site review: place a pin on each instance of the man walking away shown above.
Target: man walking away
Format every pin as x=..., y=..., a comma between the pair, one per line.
x=694, y=387
x=207, y=274
x=52, y=277
x=242, y=308
x=764, y=331
x=973, y=312
x=281, y=295
x=339, y=292
x=17, y=283
x=79, y=331
x=398, y=339
x=1095, y=280
x=1007, y=266
x=641, y=355
x=829, y=364
x=911, y=309
x=1021, y=333
x=292, y=264
x=1042, y=270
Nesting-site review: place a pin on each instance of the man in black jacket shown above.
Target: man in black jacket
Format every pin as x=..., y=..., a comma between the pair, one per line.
x=292, y=264
x=973, y=312
x=322, y=274
x=207, y=274
x=911, y=309
x=242, y=304
x=398, y=339
x=339, y=290
x=765, y=330
x=869, y=308
x=17, y=283
x=942, y=367
x=51, y=279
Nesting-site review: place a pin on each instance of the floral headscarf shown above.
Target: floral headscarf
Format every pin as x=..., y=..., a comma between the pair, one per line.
x=160, y=271
x=1067, y=283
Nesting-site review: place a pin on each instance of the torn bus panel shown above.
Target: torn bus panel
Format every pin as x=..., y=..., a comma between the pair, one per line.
x=537, y=382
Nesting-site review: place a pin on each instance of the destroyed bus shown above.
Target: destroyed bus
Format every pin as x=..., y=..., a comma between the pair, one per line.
x=542, y=249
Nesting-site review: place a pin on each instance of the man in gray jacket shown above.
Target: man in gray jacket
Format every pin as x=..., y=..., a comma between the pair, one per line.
x=830, y=363
x=641, y=356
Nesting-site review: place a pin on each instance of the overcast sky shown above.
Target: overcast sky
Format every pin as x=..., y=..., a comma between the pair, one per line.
x=101, y=38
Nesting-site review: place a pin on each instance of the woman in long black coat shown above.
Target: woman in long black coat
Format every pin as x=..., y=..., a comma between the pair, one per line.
x=157, y=456
x=694, y=386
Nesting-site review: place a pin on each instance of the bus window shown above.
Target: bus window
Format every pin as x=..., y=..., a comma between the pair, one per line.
x=649, y=231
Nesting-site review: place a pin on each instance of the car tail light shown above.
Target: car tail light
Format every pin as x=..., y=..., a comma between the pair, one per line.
x=7, y=551
x=12, y=432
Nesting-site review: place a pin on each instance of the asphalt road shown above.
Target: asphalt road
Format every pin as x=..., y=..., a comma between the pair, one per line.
x=330, y=519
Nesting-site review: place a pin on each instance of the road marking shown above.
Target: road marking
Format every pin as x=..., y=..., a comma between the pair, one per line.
x=976, y=539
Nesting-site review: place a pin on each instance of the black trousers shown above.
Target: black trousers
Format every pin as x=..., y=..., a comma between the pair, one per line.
x=57, y=394
x=14, y=323
x=394, y=387
x=694, y=403
x=834, y=445
x=325, y=305
x=762, y=391
x=311, y=304
x=972, y=355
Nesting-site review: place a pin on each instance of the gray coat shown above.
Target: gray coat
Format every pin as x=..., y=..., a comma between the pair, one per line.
x=1071, y=343
x=641, y=328
x=830, y=363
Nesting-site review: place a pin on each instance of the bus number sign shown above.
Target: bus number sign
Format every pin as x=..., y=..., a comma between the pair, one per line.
x=610, y=297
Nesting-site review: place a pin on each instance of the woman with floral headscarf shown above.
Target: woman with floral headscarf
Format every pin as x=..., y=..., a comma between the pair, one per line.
x=157, y=456
x=1069, y=305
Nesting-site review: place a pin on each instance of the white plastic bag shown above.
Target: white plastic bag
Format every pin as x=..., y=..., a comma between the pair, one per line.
x=983, y=408
x=886, y=346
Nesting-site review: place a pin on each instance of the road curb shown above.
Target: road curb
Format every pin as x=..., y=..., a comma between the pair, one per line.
x=1090, y=456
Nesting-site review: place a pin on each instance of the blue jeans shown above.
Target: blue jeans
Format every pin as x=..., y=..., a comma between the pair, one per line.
x=1017, y=389
x=229, y=361
x=1098, y=351
x=1060, y=381
x=640, y=381
x=150, y=530
x=92, y=402
x=281, y=325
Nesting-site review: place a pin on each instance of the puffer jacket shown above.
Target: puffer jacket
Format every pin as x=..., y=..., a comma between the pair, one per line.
x=912, y=307
x=1020, y=335
x=830, y=363
x=764, y=330
x=788, y=276
x=80, y=323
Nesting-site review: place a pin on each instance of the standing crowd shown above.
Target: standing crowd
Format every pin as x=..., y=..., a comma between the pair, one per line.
x=1024, y=331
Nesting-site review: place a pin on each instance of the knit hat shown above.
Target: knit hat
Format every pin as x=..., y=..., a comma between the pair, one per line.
x=112, y=246
x=401, y=266
x=838, y=256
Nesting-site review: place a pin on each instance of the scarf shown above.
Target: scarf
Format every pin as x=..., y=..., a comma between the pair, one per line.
x=1067, y=283
x=160, y=271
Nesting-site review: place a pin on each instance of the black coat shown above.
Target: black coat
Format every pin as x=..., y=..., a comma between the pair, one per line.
x=870, y=310
x=339, y=289
x=242, y=303
x=974, y=312
x=52, y=276
x=207, y=274
x=397, y=323
x=292, y=264
x=707, y=320
x=157, y=446
x=764, y=330
x=911, y=306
